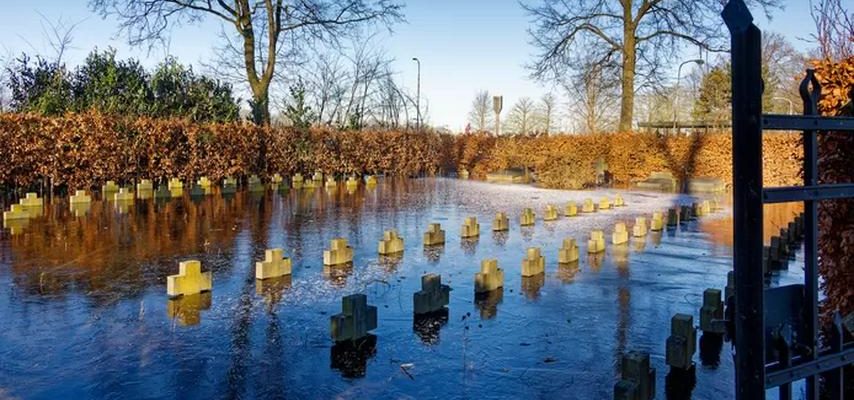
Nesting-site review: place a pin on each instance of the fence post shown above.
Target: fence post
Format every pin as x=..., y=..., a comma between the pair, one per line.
x=747, y=200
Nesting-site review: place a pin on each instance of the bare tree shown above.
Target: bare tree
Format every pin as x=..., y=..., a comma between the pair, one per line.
x=834, y=29
x=522, y=117
x=546, y=113
x=592, y=91
x=643, y=35
x=480, y=116
x=266, y=29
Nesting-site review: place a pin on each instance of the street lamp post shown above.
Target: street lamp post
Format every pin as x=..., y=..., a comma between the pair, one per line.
x=676, y=94
x=791, y=105
x=418, y=95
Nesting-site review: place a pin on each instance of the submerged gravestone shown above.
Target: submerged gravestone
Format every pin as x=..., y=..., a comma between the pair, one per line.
x=637, y=378
x=144, y=185
x=712, y=312
x=434, y=235
x=79, y=197
x=489, y=278
x=672, y=217
x=605, y=203
x=32, y=200
x=175, y=184
x=533, y=263
x=596, y=243
x=639, y=229
x=339, y=253
x=391, y=243
x=275, y=265
x=527, y=218
x=433, y=296
x=109, y=187
x=682, y=342
x=587, y=206
x=501, y=223
x=571, y=210
x=124, y=195
x=620, y=234
x=550, y=213
x=355, y=320
x=568, y=253
x=189, y=280
x=16, y=212
x=470, y=228
x=656, y=223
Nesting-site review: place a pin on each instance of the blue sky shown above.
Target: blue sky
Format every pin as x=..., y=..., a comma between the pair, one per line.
x=464, y=45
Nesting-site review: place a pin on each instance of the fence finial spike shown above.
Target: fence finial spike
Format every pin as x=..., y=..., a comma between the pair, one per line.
x=737, y=16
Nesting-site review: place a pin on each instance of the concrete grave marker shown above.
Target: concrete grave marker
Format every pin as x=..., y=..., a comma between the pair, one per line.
x=533, y=263
x=571, y=210
x=352, y=182
x=551, y=213
x=656, y=223
x=390, y=244
x=596, y=244
x=254, y=184
x=637, y=378
x=433, y=296
x=587, y=206
x=712, y=312
x=16, y=212
x=204, y=182
x=109, y=187
x=639, y=229
x=190, y=280
x=175, y=183
x=489, y=278
x=605, y=203
x=371, y=180
x=31, y=200
x=434, y=235
x=672, y=217
x=620, y=234
x=276, y=179
x=501, y=223
x=79, y=197
x=124, y=195
x=144, y=185
x=317, y=177
x=275, y=265
x=682, y=342
x=470, y=228
x=297, y=181
x=331, y=183
x=528, y=218
x=618, y=201
x=338, y=253
x=568, y=253
x=355, y=320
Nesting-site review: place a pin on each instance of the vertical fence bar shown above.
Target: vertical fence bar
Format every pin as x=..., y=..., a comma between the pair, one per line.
x=810, y=99
x=747, y=201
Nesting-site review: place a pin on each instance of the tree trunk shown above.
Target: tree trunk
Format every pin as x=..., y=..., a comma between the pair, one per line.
x=261, y=104
x=627, y=100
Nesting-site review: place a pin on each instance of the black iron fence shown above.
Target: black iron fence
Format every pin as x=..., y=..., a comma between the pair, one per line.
x=777, y=329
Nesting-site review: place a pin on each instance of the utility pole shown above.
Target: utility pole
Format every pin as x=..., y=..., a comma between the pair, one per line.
x=497, y=105
x=418, y=96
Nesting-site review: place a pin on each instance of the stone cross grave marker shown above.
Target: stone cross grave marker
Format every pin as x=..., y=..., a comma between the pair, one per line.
x=489, y=278
x=175, y=183
x=32, y=200
x=275, y=265
x=144, y=185
x=79, y=197
x=620, y=234
x=682, y=342
x=16, y=212
x=355, y=320
x=391, y=243
x=470, y=228
x=550, y=213
x=501, y=223
x=339, y=253
x=109, y=187
x=533, y=263
x=434, y=235
x=433, y=296
x=528, y=218
x=568, y=253
x=639, y=229
x=124, y=195
x=190, y=279
x=596, y=244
